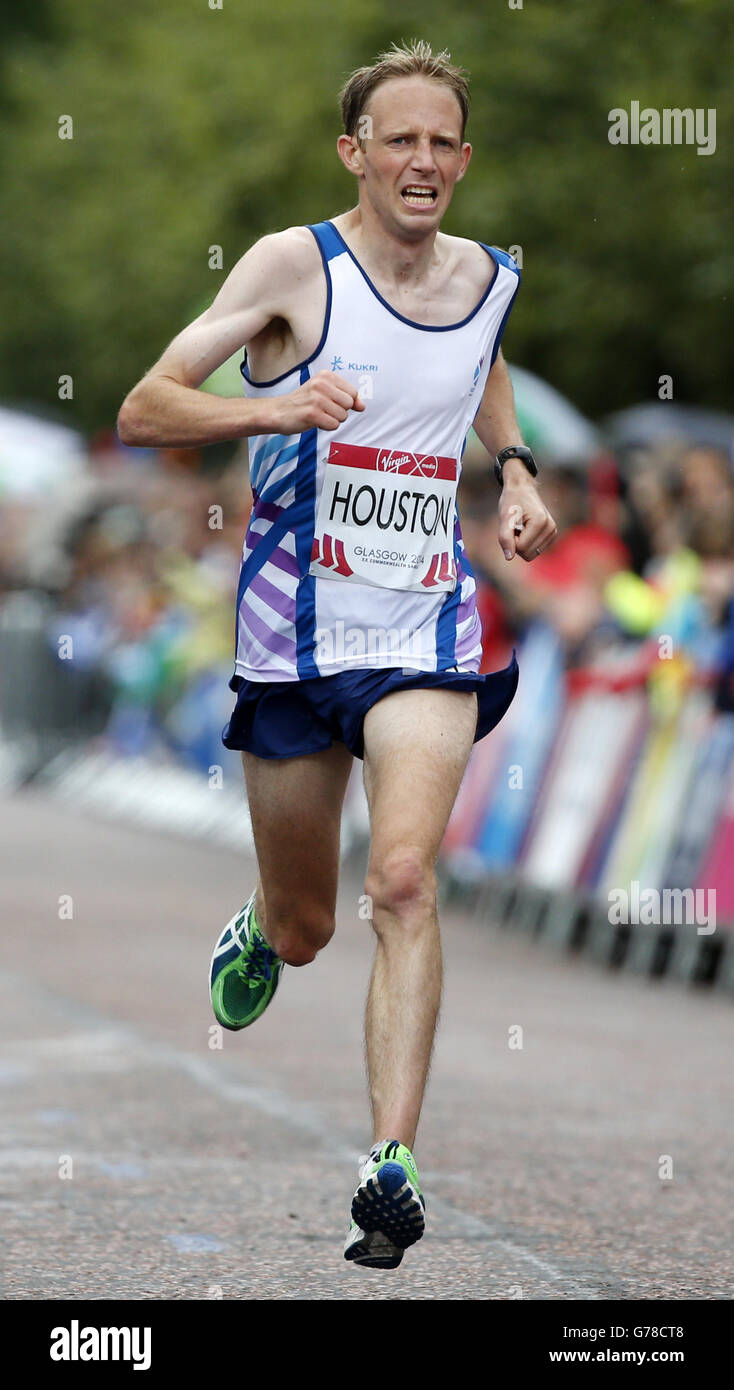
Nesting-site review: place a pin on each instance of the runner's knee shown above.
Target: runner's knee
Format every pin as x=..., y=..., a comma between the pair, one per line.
x=297, y=937
x=402, y=885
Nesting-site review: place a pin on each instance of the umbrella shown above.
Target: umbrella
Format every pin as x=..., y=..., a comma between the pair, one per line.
x=36, y=454
x=550, y=423
x=654, y=421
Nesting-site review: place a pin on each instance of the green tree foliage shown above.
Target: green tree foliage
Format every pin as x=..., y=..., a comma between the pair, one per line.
x=198, y=127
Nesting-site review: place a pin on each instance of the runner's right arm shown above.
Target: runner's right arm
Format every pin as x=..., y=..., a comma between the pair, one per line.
x=166, y=409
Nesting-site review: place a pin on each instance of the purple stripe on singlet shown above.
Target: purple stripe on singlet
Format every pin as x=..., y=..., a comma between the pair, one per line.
x=465, y=608
x=275, y=598
x=269, y=511
x=284, y=561
x=273, y=642
x=467, y=645
x=466, y=604
x=469, y=642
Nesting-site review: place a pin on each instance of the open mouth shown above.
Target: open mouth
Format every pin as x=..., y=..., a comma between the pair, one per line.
x=418, y=195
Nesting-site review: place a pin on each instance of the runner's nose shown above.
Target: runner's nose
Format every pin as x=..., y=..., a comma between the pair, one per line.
x=423, y=157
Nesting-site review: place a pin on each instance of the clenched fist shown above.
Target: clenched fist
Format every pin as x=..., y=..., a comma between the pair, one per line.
x=526, y=526
x=322, y=403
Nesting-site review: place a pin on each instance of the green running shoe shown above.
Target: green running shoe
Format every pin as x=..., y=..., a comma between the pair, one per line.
x=388, y=1208
x=244, y=972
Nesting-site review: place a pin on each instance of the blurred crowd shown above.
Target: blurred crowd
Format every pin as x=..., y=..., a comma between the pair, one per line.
x=644, y=560
x=136, y=564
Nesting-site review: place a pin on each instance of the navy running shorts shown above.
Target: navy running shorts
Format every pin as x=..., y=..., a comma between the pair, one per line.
x=284, y=719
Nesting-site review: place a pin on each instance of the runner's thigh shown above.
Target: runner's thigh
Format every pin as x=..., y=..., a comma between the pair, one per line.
x=295, y=806
x=416, y=747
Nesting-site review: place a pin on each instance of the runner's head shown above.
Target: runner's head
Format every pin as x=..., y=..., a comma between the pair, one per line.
x=404, y=121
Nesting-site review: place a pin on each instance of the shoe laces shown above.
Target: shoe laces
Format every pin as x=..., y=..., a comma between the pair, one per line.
x=372, y=1157
x=259, y=962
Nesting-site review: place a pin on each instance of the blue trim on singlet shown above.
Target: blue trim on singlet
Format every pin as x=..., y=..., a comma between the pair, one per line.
x=327, y=318
x=446, y=621
x=282, y=456
x=427, y=327
x=273, y=443
x=503, y=257
x=508, y=262
x=281, y=485
x=305, y=512
x=330, y=243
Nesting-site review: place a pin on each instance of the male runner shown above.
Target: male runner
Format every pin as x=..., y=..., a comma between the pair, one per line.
x=372, y=345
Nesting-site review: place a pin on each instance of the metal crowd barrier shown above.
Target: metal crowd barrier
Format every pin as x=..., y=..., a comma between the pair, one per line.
x=46, y=704
x=609, y=789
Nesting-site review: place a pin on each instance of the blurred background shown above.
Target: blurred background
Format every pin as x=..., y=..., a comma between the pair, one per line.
x=118, y=566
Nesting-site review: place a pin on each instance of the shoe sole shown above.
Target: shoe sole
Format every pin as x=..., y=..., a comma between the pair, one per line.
x=387, y=1202
x=363, y=1253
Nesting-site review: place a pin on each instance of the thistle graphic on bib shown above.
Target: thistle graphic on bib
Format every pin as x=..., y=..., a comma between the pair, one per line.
x=386, y=517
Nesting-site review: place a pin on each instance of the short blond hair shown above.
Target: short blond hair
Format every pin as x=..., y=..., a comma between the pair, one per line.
x=402, y=60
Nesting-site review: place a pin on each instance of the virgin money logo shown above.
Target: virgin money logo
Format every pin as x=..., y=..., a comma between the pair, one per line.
x=391, y=461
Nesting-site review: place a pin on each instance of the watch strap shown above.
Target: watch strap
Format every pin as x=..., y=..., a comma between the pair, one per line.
x=517, y=451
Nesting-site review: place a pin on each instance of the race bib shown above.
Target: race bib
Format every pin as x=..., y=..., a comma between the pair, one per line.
x=386, y=517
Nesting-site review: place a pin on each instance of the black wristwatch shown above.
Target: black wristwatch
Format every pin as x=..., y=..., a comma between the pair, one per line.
x=515, y=451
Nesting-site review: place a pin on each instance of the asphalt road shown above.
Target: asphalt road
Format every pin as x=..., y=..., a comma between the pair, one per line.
x=139, y=1162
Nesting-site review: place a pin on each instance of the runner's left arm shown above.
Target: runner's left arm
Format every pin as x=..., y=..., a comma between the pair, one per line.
x=526, y=525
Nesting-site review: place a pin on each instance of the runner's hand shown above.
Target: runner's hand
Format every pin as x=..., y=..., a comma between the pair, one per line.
x=526, y=526
x=322, y=403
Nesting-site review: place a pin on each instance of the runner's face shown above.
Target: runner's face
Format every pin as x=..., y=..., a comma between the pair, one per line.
x=415, y=144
